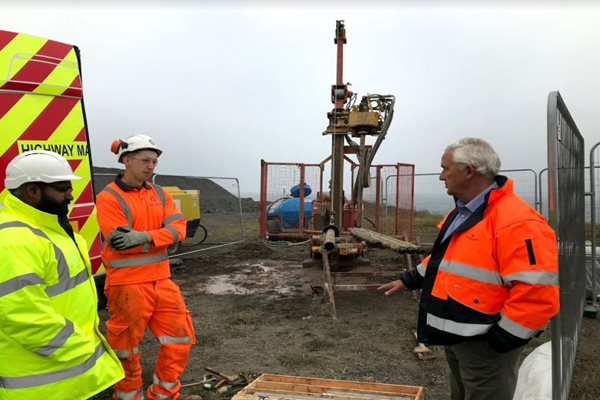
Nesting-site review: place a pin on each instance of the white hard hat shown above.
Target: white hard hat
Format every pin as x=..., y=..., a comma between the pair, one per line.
x=133, y=143
x=38, y=166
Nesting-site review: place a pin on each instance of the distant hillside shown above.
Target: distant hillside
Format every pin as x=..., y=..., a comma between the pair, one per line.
x=213, y=198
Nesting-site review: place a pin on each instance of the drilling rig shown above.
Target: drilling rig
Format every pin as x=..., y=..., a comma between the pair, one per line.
x=348, y=122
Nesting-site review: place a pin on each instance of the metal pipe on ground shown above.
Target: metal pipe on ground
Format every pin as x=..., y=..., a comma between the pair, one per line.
x=329, y=235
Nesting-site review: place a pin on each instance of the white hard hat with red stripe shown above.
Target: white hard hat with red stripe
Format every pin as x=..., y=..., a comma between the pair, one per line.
x=38, y=166
x=133, y=143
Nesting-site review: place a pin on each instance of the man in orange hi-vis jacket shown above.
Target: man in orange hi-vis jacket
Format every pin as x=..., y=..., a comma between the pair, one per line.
x=491, y=281
x=139, y=220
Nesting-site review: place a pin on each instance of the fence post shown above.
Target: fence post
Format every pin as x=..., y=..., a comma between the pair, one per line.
x=593, y=225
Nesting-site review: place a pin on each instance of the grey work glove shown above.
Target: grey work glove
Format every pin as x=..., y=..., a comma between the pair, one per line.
x=124, y=240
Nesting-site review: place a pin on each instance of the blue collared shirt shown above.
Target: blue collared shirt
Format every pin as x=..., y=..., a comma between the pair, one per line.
x=466, y=210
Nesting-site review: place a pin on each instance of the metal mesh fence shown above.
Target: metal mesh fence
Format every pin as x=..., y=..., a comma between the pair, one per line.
x=543, y=190
x=592, y=210
x=212, y=206
x=525, y=184
x=430, y=196
x=288, y=189
x=566, y=209
x=220, y=214
x=283, y=177
x=389, y=200
x=592, y=271
x=284, y=214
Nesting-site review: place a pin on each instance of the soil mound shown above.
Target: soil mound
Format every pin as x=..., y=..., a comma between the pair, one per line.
x=254, y=249
x=213, y=198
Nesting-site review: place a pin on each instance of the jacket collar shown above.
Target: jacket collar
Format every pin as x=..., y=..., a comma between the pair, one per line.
x=506, y=186
x=31, y=214
x=125, y=187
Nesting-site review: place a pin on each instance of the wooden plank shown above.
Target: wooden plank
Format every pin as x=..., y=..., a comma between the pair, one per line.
x=379, y=239
x=290, y=396
x=333, y=383
x=316, y=389
x=318, y=386
x=287, y=387
x=328, y=283
x=358, y=286
x=329, y=395
x=367, y=274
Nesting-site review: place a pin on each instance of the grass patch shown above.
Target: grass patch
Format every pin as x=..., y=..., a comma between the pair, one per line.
x=425, y=226
x=340, y=334
x=318, y=344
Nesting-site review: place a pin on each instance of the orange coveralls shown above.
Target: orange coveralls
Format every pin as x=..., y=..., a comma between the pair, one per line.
x=139, y=289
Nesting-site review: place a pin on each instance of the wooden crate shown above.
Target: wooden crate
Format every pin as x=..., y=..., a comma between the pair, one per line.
x=286, y=387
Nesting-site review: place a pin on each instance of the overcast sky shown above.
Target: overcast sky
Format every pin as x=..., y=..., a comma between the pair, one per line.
x=222, y=87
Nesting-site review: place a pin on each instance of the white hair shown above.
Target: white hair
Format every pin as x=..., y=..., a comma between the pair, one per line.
x=476, y=152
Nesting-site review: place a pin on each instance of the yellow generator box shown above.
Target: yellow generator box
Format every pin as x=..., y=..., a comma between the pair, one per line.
x=188, y=201
x=285, y=387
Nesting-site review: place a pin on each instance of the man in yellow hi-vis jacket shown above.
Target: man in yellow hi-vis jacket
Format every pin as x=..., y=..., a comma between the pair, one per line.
x=50, y=345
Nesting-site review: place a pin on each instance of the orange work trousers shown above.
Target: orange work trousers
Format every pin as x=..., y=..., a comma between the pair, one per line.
x=159, y=306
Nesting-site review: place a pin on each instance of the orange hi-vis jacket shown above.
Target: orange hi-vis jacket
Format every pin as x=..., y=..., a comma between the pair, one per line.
x=496, y=276
x=150, y=209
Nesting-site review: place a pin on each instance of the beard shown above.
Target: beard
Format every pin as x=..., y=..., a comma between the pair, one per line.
x=51, y=206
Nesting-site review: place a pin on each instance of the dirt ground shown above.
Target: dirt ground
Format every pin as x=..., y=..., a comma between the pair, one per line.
x=254, y=311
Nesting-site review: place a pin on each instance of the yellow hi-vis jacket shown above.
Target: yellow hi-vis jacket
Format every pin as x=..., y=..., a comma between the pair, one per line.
x=50, y=345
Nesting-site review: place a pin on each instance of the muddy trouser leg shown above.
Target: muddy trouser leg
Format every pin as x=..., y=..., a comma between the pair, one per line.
x=480, y=373
x=172, y=325
x=130, y=308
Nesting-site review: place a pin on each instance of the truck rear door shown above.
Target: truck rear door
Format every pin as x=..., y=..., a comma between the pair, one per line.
x=41, y=107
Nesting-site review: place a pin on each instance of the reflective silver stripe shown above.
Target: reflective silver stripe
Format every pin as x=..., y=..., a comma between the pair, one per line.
x=137, y=261
x=516, y=329
x=124, y=354
x=172, y=218
x=19, y=224
x=471, y=272
x=23, y=382
x=173, y=339
x=161, y=193
x=167, y=385
x=123, y=204
x=58, y=340
x=533, y=277
x=173, y=232
x=19, y=282
x=129, y=395
x=160, y=396
x=65, y=282
x=421, y=269
x=458, y=328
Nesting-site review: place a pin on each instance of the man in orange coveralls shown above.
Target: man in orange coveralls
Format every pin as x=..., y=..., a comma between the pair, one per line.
x=139, y=221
